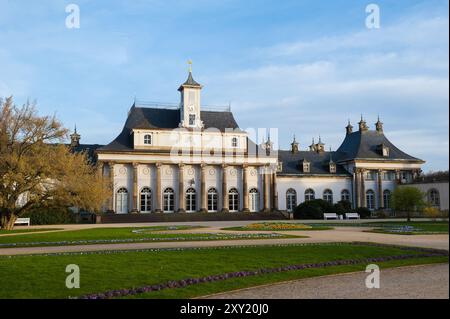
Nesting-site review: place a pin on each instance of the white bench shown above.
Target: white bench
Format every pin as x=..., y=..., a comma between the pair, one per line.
x=351, y=216
x=22, y=221
x=330, y=216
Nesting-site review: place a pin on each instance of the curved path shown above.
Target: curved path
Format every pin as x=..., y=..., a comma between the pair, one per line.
x=415, y=282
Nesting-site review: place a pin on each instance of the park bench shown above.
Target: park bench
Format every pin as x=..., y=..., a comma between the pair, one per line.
x=351, y=216
x=330, y=216
x=22, y=221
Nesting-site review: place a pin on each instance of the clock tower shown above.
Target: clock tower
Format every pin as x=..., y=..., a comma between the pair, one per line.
x=190, y=102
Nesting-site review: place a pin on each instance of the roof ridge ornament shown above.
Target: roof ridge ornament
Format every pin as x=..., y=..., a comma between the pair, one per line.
x=379, y=125
x=363, y=125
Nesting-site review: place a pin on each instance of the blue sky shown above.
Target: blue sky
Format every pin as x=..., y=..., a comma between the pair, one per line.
x=304, y=67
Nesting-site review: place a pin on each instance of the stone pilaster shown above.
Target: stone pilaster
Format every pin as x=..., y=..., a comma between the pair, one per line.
x=181, y=195
x=203, y=191
x=266, y=195
x=275, y=191
x=245, y=187
x=225, y=206
x=363, y=189
x=111, y=180
x=380, y=189
x=356, y=192
x=158, y=194
x=134, y=205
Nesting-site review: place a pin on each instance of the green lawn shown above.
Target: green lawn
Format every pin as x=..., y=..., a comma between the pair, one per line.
x=44, y=276
x=121, y=235
x=25, y=230
x=280, y=226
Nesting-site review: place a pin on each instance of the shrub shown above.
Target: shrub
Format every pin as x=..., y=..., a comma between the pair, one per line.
x=50, y=216
x=363, y=212
x=341, y=207
x=313, y=209
x=431, y=212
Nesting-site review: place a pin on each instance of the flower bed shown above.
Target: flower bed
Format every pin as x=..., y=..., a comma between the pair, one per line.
x=278, y=227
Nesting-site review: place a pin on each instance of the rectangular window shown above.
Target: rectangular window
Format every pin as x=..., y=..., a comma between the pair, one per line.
x=370, y=176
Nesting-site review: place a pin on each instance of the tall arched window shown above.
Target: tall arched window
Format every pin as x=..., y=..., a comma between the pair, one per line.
x=434, y=198
x=191, y=200
x=345, y=195
x=212, y=200
x=146, y=200
x=254, y=200
x=147, y=139
x=169, y=200
x=328, y=196
x=387, y=198
x=233, y=200
x=291, y=200
x=370, y=199
x=309, y=195
x=122, y=201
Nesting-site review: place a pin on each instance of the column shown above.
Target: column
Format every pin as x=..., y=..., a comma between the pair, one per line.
x=245, y=187
x=203, y=191
x=100, y=166
x=181, y=195
x=158, y=195
x=380, y=189
x=356, y=193
x=225, y=208
x=275, y=191
x=266, y=190
x=363, y=189
x=111, y=179
x=134, y=204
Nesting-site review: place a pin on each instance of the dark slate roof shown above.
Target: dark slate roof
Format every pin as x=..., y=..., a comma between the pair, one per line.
x=89, y=149
x=158, y=118
x=318, y=163
x=190, y=82
x=365, y=145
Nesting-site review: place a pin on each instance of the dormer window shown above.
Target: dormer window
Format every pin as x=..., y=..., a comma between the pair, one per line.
x=306, y=167
x=385, y=151
x=234, y=142
x=191, y=119
x=279, y=167
x=148, y=139
x=332, y=168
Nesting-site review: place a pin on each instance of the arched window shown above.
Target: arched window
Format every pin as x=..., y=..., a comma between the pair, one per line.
x=328, y=196
x=254, y=200
x=233, y=200
x=291, y=200
x=212, y=200
x=387, y=198
x=190, y=200
x=122, y=201
x=370, y=199
x=146, y=200
x=345, y=195
x=234, y=142
x=147, y=139
x=169, y=200
x=434, y=198
x=309, y=195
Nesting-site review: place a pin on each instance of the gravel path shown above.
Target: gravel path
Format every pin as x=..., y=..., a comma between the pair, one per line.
x=416, y=282
x=339, y=234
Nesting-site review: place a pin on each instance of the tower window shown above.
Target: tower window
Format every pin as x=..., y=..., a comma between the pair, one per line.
x=191, y=119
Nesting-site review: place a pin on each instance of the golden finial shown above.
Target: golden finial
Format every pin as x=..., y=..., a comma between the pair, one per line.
x=190, y=65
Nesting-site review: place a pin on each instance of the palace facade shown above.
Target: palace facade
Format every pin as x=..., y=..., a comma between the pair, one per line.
x=190, y=158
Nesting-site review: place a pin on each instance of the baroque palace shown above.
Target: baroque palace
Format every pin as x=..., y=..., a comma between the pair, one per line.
x=190, y=158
